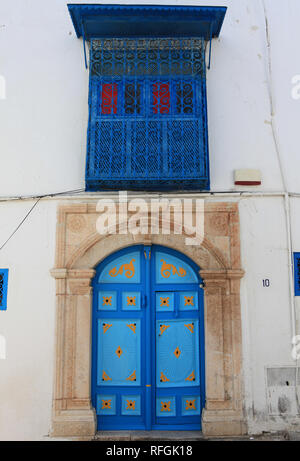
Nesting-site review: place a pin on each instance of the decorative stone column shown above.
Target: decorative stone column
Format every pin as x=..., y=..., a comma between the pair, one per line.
x=223, y=413
x=72, y=411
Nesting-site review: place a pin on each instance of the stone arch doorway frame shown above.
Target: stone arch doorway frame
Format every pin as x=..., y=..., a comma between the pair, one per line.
x=79, y=249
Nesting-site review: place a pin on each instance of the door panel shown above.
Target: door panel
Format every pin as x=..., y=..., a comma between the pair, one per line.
x=179, y=373
x=148, y=370
x=119, y=357
x=177, y=353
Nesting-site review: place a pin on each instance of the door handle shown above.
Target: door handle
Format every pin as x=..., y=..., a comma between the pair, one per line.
x=144, y=301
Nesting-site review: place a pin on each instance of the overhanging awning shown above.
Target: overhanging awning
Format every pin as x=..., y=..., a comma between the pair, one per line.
x=93, y=20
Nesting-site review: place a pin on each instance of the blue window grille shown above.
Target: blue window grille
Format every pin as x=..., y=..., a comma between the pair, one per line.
x=297, y=273
x=148, y=119
x=3, y=289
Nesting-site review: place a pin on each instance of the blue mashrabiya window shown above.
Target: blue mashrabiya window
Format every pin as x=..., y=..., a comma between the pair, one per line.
x=147, y=122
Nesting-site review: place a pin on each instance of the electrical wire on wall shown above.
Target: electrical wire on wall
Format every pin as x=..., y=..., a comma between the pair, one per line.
x=32, y=208
x=20, y=224
x=31, y=197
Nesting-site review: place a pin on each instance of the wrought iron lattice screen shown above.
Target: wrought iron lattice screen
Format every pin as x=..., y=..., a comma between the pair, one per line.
x=148, y=123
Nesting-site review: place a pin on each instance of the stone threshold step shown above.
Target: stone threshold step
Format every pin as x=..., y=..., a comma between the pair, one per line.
x=149, y=435
x=188, y=436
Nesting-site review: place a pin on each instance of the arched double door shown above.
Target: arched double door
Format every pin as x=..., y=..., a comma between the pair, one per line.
x=148, y=341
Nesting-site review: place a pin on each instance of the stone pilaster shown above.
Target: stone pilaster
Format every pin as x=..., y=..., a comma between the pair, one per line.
x=223, y=413
x=72, y=411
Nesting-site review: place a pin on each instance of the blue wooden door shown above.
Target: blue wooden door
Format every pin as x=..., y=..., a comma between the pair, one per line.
x=148, y=341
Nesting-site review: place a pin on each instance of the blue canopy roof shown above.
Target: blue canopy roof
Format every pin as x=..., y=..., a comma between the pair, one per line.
x=94, y=20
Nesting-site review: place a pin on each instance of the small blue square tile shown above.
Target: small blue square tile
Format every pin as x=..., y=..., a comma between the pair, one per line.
x=188, y=301
x=106, y=404
x=107, y=301
x=165, y=406
x=190, y=405
x=131, y=405
x=131, y=301
x=164, y=302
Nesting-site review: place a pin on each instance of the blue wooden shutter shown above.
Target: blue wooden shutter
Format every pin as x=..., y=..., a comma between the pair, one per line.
x=297, y=273
x=3, y=289
x=152, y=133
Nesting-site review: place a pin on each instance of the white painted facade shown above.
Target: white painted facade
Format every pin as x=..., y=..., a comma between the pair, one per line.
x=254, y=119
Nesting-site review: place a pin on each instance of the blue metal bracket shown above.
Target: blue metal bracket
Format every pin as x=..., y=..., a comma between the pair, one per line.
x=84, y=49
x=210, y=41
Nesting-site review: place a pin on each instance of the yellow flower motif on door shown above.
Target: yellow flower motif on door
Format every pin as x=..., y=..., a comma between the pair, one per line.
x=163, y=378
x=165, y=406
x=164, y=302
x=132, y=326
x=191, y=377
x=105, y=376
x=189, y=300
x=190, y=404
x=132, y=377
x=167, y=269
x=119, y=352
x=106, y=326
x=177, y=352
x=190, y=326
x=128, y=270
x=163, y=328
x=106, y=404
x=106, y=300
x=131, y=300
x=130, y=404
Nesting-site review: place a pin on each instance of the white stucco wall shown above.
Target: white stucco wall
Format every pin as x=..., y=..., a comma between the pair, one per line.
x=44, y=115
x=266, y=311
x=43, y=121
x=26, y=375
